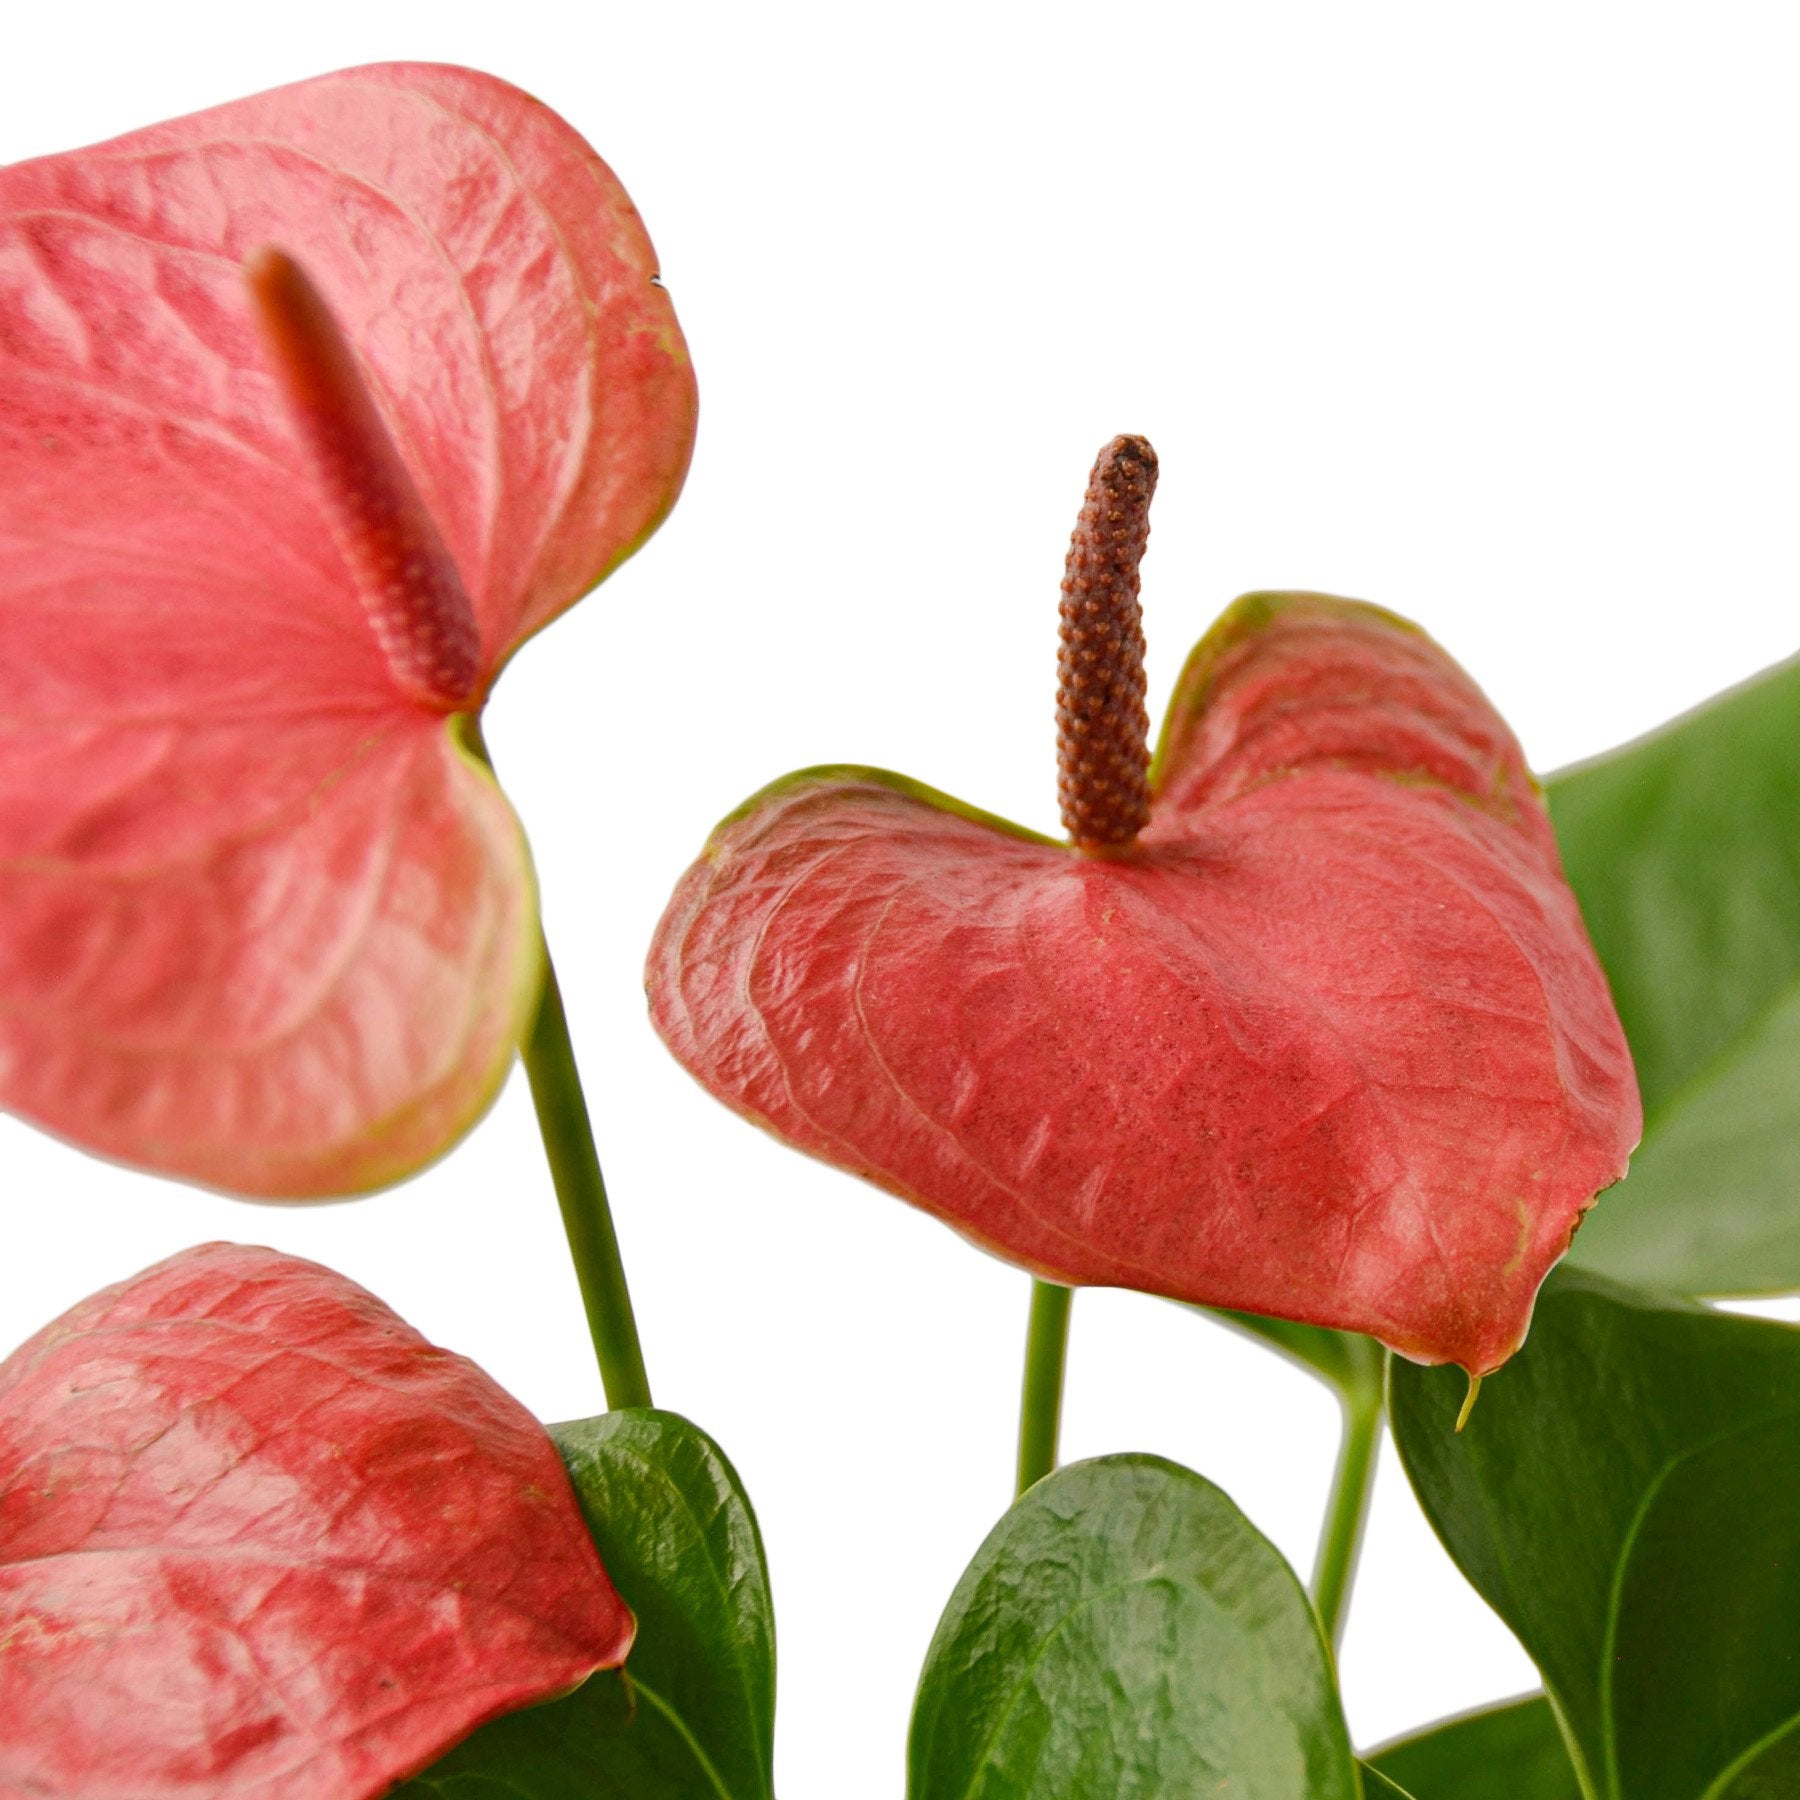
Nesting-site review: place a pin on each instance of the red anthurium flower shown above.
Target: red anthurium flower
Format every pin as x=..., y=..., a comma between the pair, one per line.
x=1306, y=1024
x=259, y=1539
x=265, y=922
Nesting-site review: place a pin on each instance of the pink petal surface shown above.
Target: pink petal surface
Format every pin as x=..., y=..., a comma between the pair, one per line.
x=223, y=952
x=258, y=1538
x=1327, y=1043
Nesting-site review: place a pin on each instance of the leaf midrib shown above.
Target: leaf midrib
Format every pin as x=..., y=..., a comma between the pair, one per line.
x=723, y=1591
x=1160, y=1573
x=1715, y=1790
x=687, y=1737
x=1720, y=1786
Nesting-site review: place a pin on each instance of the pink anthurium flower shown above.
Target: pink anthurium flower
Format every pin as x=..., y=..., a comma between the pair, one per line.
x=271, y=520
x=260, y=1541
x=1304, y=1023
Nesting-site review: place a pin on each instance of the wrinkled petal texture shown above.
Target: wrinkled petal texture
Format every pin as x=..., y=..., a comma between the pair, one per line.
x=1327, y=1043
x=258, y=1538
x=262, y=922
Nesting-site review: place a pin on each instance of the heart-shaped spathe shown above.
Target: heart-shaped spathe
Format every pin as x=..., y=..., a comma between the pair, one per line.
x=260, y=1541
x=1327, y=1042
x=264, y=921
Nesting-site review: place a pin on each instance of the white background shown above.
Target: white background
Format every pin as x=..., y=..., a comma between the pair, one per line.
x=1487, y=314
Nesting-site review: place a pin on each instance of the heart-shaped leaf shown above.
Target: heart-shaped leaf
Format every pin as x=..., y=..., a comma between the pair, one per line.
x=259, y=1539
x=263, y=921
x=692, y=1714
x=1509, y=1752
x=1327, y=1042
x=1627, y=1499
x=1126, y=1631
x=1685, y=854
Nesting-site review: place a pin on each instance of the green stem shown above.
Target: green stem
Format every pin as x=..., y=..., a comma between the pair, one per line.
x=1340, y=1541
x=1040, y=1404
x=581, y=1192
x=568, y=1135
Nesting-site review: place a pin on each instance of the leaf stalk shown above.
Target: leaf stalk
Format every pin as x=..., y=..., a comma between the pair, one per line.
x=1040, y=1404
x=1347, y=1511
x=568, y=1136
x=569, y=1148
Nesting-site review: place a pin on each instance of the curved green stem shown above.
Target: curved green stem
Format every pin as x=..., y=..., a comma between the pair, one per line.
x=1040, y=1404
x=581, y=1192
x=1340, y=1541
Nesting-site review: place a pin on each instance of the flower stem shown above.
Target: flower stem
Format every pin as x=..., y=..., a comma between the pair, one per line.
x=581, y=1192
x=1340, y=1541
x=1040, y=1404
x=568, y=1135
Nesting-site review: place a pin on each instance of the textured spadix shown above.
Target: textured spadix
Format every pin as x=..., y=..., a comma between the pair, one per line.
x=264, y=922
x=1327, y=1041
x=260, y=1541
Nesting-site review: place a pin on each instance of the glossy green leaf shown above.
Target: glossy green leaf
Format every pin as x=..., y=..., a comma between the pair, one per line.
x=1126, y=1631
x=1684, y=850
x=1509, y=1752
x=692, y=1715
x=1627, y=1497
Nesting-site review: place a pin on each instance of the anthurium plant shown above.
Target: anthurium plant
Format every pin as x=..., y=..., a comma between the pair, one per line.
x=1326, y=1016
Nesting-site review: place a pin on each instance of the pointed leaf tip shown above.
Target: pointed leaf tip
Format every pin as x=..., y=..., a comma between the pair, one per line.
x=415, y=599
x=1326, y=1042
x=1468, y=1405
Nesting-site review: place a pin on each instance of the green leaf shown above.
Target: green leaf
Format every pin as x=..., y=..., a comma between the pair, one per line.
x=1509, y=1752
x=692, y=1715
x=1627, y=1497
x=1684, y=850
x=1345, y=1360
x=1377, y=1786
x=1125, y=1631
x=1354, y=1367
